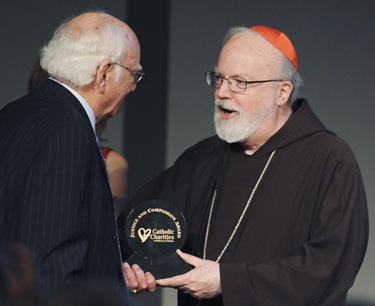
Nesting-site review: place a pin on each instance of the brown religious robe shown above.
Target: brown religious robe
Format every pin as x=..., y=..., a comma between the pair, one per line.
x=305, y=233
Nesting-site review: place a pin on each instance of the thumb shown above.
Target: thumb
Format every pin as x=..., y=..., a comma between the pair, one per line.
x=190, y=259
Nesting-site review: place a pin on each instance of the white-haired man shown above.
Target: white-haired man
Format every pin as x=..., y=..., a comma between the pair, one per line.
x=54, y=191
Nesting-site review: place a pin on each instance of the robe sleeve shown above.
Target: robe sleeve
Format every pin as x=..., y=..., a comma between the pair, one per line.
x=330, y=259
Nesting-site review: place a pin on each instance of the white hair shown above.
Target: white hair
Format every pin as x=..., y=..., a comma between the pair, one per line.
x=289, y=72
x=75, y=52
x=287, y=69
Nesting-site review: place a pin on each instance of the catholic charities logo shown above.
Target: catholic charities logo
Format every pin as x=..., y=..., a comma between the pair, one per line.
x=156, y=235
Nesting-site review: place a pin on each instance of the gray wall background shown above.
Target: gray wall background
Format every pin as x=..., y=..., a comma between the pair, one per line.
x=335, y=41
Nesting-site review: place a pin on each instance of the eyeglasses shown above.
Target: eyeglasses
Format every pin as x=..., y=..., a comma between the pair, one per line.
x=137, y=76
x=235, y=83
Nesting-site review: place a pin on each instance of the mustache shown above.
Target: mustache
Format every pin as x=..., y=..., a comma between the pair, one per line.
x=225, y=105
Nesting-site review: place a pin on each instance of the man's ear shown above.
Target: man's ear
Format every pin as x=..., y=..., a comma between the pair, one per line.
x=103, y=75
x=284, y=92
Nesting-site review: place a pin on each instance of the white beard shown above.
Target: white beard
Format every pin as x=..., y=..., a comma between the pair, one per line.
x=243, y=125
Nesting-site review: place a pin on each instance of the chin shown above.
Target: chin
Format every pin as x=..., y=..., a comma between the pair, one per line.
x=231, y=135
x=232, y=132
x=114, y=112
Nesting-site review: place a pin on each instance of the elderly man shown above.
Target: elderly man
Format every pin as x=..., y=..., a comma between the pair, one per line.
x=54, y=191
x=275, y=205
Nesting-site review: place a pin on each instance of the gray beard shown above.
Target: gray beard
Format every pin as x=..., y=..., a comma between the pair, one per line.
x=243, y=126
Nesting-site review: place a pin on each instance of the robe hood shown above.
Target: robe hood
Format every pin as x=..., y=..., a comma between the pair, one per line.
x=302, y=123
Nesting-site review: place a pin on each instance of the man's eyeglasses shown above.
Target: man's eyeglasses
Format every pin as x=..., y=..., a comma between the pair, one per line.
x=235, y=83
x=137, y=76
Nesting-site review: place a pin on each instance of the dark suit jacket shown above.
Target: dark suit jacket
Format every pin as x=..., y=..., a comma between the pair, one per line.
x=54, y=193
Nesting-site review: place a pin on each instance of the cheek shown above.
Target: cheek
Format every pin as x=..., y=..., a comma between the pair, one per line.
x=249, y=106
x=124, y=89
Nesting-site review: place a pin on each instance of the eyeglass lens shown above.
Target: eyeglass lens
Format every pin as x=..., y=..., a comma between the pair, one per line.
x=236, y=84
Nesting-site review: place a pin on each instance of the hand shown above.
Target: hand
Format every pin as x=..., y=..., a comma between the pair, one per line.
x=137, y=280
x=202, y=282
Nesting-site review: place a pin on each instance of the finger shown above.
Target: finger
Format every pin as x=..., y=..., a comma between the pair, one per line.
x=130, y=278
x=140, y=275
x=175, y=281
x=151, y=283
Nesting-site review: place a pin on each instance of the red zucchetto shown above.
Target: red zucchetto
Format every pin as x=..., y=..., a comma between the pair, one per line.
x=280, y=41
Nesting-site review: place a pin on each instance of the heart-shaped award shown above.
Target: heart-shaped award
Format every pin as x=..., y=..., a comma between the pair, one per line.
x=154, y=230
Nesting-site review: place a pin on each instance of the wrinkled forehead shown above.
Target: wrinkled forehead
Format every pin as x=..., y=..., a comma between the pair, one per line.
x=133, y=55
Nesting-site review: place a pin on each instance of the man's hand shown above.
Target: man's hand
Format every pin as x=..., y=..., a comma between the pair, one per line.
x=137, y=280
x=202, y=282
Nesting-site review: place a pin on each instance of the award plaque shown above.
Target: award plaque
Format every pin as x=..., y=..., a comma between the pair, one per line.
x=154, y=230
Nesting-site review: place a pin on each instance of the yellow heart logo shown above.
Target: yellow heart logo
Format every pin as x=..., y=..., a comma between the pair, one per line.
x=144, y=234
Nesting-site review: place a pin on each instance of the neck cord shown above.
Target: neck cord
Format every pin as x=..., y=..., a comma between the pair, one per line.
x=241, y=217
